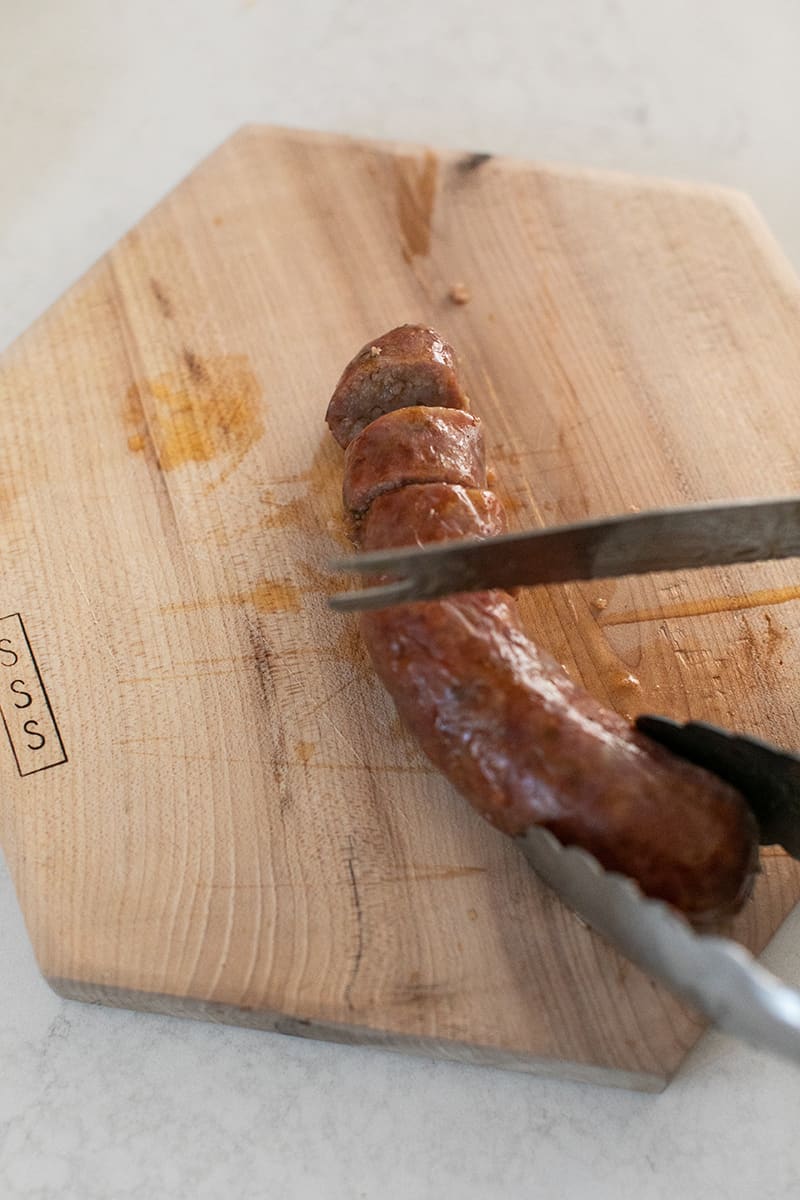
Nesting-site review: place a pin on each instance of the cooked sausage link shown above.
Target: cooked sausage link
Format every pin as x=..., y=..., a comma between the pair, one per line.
x=406, y=366
x=413, y=445
x=502, y=720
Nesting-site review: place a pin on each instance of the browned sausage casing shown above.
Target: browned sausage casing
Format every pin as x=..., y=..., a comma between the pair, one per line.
x=523, y=743
x=431, y=512
x=406, y=366
x=413, y=445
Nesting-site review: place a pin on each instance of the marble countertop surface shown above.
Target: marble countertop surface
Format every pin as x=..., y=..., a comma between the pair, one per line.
x=105, y=107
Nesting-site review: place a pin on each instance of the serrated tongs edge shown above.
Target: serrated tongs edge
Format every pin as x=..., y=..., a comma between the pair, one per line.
x=715, y=974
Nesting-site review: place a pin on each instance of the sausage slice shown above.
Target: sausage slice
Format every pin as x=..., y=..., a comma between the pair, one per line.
x=413, y=445
x=406, y=366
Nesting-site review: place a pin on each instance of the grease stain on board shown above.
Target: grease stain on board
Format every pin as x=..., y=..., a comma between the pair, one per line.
x=268, y=596
x=295, y=507
x=304, y=751
x=207, y=409
x=415, y=196
x=704, y=606
x=273, y=595
x=300, y=500
x=625, y=693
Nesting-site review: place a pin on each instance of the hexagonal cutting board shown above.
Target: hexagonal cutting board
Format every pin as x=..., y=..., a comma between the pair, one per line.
x=208, y=805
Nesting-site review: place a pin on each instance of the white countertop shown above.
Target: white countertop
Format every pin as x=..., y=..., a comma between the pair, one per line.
x=104, y=107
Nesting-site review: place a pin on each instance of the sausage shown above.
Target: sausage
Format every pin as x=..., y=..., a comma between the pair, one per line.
x=413, y=445
x=525, y=744
x=407, y=366
x=430, y=512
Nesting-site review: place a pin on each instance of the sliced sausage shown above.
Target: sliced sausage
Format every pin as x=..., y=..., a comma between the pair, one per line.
x=413, y=445
x=502, y=720
x=406, y=366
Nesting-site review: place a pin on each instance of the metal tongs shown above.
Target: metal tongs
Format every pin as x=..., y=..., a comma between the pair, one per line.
x=715, y=974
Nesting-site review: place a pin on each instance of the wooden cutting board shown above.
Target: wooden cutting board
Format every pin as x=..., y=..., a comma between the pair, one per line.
x=207, y=802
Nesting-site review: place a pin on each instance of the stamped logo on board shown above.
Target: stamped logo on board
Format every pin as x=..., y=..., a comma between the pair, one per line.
x=24, y=703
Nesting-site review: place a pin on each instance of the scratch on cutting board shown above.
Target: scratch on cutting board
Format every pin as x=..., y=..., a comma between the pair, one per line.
x=372, y=771
x=359, y=952
x=321, y=704
x=101, y=632
x=348, y=743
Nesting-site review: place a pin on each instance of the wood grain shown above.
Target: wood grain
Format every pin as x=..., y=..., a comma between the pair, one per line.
x=242, y=830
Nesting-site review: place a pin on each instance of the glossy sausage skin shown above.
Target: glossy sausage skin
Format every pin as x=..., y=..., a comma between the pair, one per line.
x=526, y=746
x=431, y=512
x=406, y=366
x=413, y=445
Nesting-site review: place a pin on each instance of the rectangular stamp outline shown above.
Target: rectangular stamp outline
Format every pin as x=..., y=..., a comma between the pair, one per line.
x=64, y=759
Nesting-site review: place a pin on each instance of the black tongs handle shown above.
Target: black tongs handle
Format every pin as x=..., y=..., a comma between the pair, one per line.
x=766, y=775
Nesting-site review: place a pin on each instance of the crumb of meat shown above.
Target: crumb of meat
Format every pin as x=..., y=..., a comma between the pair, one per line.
x=599, y=603
x=460, y=294
x=375, y=351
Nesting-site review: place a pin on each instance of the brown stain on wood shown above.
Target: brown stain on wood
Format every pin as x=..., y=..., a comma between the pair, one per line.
x=704, y=606
x=304, y=751
x=624, y=691
x=282, y=514
x=165, y=305
x=349, y=647
x=316, y=579
x=775, y=635
x=207, y=409
x=271, y=595
x=415, y=196
x=319, y=498
x=512, y=505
